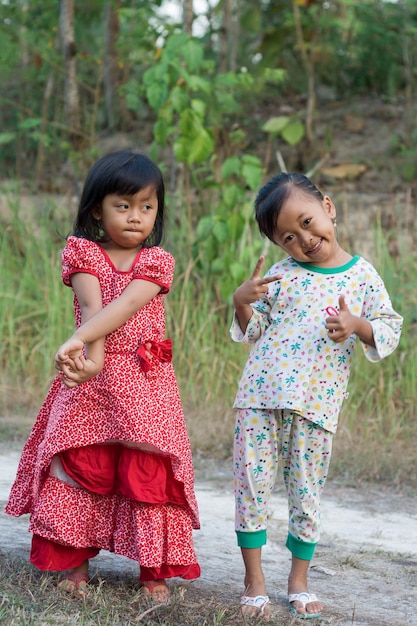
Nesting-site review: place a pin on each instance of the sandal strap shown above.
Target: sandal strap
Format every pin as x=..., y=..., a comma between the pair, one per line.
x=304, y=598
x=259, y=602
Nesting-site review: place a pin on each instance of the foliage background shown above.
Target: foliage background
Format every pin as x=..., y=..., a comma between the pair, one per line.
x=222, y=97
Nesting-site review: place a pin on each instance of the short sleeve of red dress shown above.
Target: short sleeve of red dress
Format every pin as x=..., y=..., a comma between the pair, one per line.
x=79, y=255
x=155, y=265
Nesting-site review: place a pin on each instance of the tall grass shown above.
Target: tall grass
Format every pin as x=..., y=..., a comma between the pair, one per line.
x=377, y=426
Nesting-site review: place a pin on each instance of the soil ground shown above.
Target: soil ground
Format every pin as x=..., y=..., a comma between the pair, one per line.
x=364, y=570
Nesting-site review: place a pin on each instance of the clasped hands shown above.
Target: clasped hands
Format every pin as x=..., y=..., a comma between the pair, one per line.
x=73, y=365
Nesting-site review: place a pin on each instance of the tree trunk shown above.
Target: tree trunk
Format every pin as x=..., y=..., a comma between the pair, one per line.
x=234, y=35
x=41, y=145
x=188, y=16
x=72, y=102
x=111, y=71
x=225, y=36
x=308, y=59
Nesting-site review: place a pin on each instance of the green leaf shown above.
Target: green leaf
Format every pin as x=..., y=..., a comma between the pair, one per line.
x=175, y=43
x=221, y=231
x=194, y=150
x=276, y=124
x=132, y=101
x=218, y=266
x=157, y=94
x=7, y=138
x=199, y=107
x=162, y=129
x=236, y=223
x=197, y=83
x=31, y=122
x=231, y=195
x=230, y=166
x=155, y=74
x=293, y=132
x=194, y=144
x=193, y=55
x=252, y=171
x=274, y=75
x=237, y=271
x=178, y=98
x=204, y=227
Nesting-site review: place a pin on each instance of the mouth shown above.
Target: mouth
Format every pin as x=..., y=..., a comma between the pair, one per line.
x=315, y=248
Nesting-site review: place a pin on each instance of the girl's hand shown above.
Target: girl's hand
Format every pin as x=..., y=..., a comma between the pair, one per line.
x=343, y=325
x=72, y=376
x=70, y=354
x=254, y=288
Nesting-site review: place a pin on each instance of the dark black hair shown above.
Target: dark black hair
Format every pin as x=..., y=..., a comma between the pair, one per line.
x=272, y=196
x=123, y=173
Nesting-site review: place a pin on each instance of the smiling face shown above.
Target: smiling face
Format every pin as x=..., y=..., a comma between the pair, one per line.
x=305, y=230
x=128, y=220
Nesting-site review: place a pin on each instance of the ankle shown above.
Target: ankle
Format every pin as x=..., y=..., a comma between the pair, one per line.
x=81, y=569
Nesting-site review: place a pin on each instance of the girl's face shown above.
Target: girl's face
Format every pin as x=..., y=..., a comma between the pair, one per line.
x=306, y=231
x=128, y=220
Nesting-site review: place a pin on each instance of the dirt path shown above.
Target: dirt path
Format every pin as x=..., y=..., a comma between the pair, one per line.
x=365, y=568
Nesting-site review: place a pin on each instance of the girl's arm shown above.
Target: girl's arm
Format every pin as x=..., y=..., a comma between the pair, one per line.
x=138, y=293
x=88, y=293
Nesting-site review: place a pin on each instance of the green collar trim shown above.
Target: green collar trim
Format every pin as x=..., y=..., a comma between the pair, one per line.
x=329, y=270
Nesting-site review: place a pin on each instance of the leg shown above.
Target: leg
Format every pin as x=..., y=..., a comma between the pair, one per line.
x=254, y=600
x=306, y=457
x=255, y=468
x=297, y=584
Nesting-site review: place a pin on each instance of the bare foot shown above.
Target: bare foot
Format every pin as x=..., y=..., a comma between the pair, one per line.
x=156, y=590
x=75, y=582
x=304, y=603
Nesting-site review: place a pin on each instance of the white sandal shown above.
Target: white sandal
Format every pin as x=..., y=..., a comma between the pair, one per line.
x=259, y=602
x=305, y=598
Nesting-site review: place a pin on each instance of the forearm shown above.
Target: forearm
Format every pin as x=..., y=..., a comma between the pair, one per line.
x=364, y=331
x=243, y=315
x=94, y=349
x=134, y=297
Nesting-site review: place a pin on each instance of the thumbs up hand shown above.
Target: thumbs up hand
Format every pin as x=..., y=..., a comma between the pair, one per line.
x=342, y=325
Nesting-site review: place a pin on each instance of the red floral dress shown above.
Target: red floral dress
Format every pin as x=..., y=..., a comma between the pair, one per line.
x=150, y=510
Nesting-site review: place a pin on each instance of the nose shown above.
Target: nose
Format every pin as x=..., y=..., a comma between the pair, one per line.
x=306, y=240
x=134, y=214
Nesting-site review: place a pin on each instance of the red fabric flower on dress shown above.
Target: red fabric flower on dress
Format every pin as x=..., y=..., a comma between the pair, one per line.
x=160, y=351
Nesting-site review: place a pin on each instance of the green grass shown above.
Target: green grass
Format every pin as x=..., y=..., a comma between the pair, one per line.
x=378, y=423
x=31, y=598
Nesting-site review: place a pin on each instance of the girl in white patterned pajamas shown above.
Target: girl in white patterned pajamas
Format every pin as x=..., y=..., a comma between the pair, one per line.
x=302, y=319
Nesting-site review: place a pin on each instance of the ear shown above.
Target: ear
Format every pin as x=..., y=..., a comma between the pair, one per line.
x=329, y=207
x=96, y=213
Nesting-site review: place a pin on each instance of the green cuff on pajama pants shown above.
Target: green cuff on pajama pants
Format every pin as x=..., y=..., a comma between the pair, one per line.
x=300, y=549
x=255, y=539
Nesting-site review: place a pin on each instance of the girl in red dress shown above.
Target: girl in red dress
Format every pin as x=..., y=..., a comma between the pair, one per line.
x=108, y=462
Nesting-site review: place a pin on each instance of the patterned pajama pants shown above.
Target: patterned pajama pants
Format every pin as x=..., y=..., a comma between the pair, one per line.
x=261, y=437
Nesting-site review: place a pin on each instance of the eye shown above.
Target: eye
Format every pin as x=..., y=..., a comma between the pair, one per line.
x=288, y=239
x=147, y=207
x=307, y=221
x=123, y=206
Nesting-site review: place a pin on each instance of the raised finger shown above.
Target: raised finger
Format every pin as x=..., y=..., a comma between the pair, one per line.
x=257, y=270
x=272, y=279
